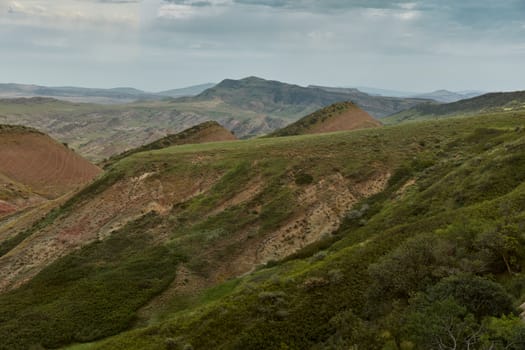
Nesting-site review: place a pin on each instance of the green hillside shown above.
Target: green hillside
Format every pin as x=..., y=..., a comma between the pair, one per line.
x=489, y=103
x=441, y=249
x=204, y=132
x=434, y=256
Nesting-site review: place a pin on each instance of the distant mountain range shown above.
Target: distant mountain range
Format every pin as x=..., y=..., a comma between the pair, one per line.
x=187, y=91
x=450, y=96
x=444, y=96
x=488, y=103
x=366, y=97
x=102, y=96
x=279, y=98
x=124, y=118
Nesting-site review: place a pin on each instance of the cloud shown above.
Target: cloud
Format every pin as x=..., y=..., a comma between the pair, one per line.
x=325, y=41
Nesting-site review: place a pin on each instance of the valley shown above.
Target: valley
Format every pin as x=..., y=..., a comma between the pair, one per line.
x=262, y=175
x=248, y=107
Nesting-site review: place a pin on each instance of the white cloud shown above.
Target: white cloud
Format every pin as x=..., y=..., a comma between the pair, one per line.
x=175, y=11
x=57, y=11
x=206, y=40
x=408, y=5
x=407, y=15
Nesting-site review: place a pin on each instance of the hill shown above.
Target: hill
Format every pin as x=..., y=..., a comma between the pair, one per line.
x=337, y=117
x=249, y=107
x=376, y=105
x=206, y=132
x=34, y=168
x=493, y=102
x=266, y=96
x=370, y=238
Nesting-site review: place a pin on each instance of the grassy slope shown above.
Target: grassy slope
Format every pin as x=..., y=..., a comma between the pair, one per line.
x=202, y=133
x=25, y=313
x=298, y=303
x=468, y=182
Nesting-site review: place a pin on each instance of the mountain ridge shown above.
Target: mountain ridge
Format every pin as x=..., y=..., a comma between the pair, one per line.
x=491, y=102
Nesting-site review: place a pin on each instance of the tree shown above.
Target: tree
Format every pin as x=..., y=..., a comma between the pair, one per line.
x=443, y=325
x=504, y=244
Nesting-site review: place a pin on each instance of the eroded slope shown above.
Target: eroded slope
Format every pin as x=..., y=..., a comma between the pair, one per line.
x=342, y=116
x=35, y=168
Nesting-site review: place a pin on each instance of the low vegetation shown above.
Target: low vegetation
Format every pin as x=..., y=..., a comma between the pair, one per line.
x=432, y=260
x=204, y=132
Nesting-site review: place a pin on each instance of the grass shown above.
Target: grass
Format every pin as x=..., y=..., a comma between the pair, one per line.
x=319, y=296
x=89, y=294
x=296, y=303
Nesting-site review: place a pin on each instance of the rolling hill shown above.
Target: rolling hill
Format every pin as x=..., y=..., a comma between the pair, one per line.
x=47, y=167
x=35, y=173
x=206, y=132
x=281, y=99
x=249, y=107
x=376, y=105
x=378, y=238
x=341, y=116
x=493, y=102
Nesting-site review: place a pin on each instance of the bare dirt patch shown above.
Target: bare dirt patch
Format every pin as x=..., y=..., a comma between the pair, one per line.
x=352, y=119
x=35, y=160
x=95, y=220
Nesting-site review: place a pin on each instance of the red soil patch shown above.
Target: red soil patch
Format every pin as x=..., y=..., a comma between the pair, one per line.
x=6, y=208
x=47, y=167
x=351, y=119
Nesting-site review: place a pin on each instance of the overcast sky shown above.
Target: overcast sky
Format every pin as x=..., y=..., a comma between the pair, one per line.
x=159, y=44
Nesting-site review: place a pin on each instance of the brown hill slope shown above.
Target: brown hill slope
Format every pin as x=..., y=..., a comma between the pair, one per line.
x=342, y=116
x=209, y=131
x=35, y=168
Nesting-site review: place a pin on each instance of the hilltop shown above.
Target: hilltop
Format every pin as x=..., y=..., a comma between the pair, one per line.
x=35, y=171
x=493, y=102
x=33, y=159
x=248, y=107
x=267, y=96
x=302, y=242
x=205, y=132
x=342, y=116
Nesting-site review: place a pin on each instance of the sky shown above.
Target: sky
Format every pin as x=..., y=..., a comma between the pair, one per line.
x=416, y=45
